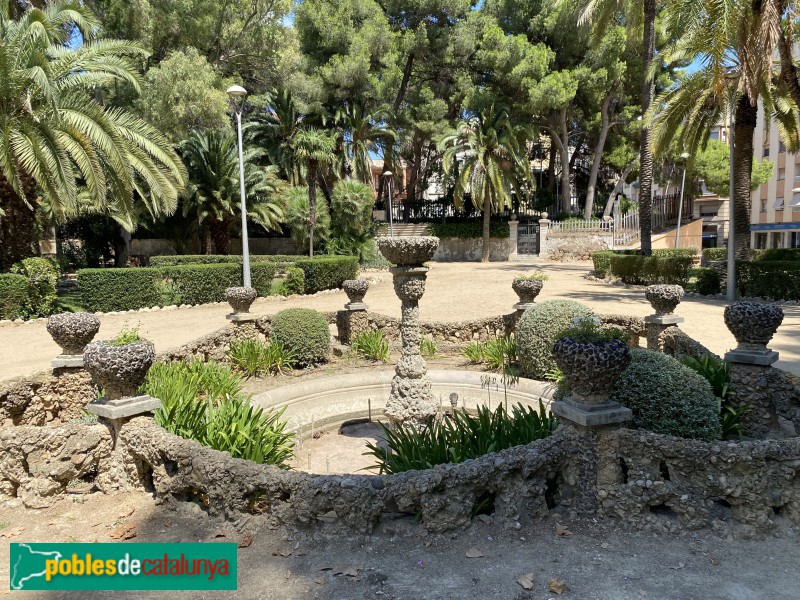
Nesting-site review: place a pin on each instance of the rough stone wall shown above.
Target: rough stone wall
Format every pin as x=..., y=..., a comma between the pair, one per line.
x=667, y=483
x=46, y=398
x=676, y=343
x=515, y=481
x=573, y=246
x=37, y=463
x=772, y=399
x=215, y=346
x=634, y=326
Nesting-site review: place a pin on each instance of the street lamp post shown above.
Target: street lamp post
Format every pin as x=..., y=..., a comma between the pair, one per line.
x=237, y=94
x=388, y=175
x=685, y=157
x=731, y=289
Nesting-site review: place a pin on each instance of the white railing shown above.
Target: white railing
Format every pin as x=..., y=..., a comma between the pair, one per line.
x=596, y=226
x=626, y=229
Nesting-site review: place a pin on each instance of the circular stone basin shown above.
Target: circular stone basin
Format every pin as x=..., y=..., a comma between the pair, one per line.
x=338, y=409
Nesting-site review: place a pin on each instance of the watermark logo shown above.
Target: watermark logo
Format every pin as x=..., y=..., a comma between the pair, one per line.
x=123, y=566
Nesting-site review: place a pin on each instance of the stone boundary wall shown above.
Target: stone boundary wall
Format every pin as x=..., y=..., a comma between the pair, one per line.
x=667, y=483
x=461, y=250
x=518, y=482
x=677, y=343
x=47, y=398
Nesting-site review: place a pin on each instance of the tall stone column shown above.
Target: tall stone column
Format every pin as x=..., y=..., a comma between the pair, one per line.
x=544, y=230
x=664, y=299
x=513, y=235
x=753, y=325
x=410, y=403
x=353, y=320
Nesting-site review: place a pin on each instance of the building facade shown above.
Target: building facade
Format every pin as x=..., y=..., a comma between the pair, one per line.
x=775, y=210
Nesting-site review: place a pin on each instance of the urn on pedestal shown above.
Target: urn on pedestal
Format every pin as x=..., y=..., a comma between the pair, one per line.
x=753, y=324
x=72, y=331
x=240, y=299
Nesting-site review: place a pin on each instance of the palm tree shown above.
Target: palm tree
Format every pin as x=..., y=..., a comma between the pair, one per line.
x=490, y=161
x=273, y=131
x=603, y=14
x=364, y=133
x=57, y=139
x=736, y=47
x=213, y=193
x=314, y=149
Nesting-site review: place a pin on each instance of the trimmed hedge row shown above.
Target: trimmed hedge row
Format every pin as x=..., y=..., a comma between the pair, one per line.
x=468, y=230
x=327, y=272
x=765, y=254
x=602, y=259
x=648, y=270
x=13, y=295
x=130, y=289
x=779, y=280
x=214, y=259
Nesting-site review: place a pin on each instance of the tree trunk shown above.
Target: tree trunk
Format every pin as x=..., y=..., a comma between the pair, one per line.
x=551, y=165
x=487, y=216
x=122, y=248
x=205, y=239
x=221, y=234
x=605, y=125
x=18, y=225
x=411, y=190
x=312, y=204
x=744, y=127
x=566, y=189
x=645, y=153
x=618, y=187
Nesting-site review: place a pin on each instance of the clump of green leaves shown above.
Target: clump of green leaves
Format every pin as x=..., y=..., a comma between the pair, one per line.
x=203, y=402
x=254, y=357
x=717, y=372
x=500, y=352
x=460, y=437
x=294, y=282
x=590, y=330
x=533, y=276
x=128, y=335
x=474, y=352
x=428, y=348
x=371, y=345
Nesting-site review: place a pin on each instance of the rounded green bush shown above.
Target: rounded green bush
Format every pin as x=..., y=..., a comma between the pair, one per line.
x=538, y=330
x=668, y=397
x=305, y=333
x=709, y=281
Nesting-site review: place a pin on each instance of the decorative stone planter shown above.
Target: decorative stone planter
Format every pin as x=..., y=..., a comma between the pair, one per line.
x=753, y=324
x=664, y=298
x=592, y=370
x=355, y=289
x=119, y=370
x=526, y=290
x=240, y=299
x=410, y=403
x=72, y=331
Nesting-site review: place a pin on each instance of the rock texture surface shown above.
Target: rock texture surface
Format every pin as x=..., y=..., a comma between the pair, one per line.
x=664, y=298
x=753, y=324
x=46, y=399
x=355, y=289
x=240, y=298
x=73, y=331
x=592, y=369
x=408, y=250
x=119, y=370
x=527, y=289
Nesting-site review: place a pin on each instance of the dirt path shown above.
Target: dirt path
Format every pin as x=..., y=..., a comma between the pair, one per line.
x=401, y=561
x=455, y=292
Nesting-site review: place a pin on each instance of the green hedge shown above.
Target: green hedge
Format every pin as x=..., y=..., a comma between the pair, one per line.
x=468, y=230
x=647, y=270
x=712, y=254
x=779, y=280
x=13, y=295
x=776, y=254
x=130, y=289
x=602, y=262
x=709, y=281
x=602, y=259
x=327, y=272
x=214, y=259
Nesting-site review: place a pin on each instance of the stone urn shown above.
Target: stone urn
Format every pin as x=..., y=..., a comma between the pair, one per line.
x=408, y=250
x=527, y=289
x=664, y=298
x=592, y=369
x=355, y=289
x=753, y=324
x=240, y=298
x=119, y=370
x=73, y=331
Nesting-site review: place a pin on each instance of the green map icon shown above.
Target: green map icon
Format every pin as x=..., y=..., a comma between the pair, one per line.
x=28, y=564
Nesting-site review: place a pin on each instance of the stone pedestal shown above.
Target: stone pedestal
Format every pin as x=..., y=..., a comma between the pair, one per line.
x=67, y=361
x=237, y=318
x=655, y=326
x=591, y=415
x=592, y=466
x=72, y=331
x=121, y=408
x=351, y=323
x=544, y=230
x=513, y=236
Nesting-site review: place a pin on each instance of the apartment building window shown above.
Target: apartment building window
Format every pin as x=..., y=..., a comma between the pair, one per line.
x=778, y=204
x=781, y=174
x=795, y=200
x=709, y=211
x=794, y=242
x=763, y=206
x=766, y=151
x=761, y=241
x=781, y=147
x=777, y=240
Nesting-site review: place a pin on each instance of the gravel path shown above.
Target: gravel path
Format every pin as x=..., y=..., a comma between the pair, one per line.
x=455, y=292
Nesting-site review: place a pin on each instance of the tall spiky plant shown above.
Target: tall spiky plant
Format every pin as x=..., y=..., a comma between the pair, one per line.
x=490, y=162
x=57, y=139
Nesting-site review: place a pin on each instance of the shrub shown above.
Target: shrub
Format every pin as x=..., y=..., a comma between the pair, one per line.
x=647, y=270
x=469, y=230
x=461, y=437
x=13, y=295
x=191, y=379
x=668, y=252
x=538, y=330
x=351, y=218
x=533, y=276
x=776, y=254
x=474, y=352
x=328, y=272
x=779, y=280
x=304, y=332
x=215, y=259
x=254, y=357
x=602, y=262
x=667, y=397
x=718, y=374
x=712, y=254
x=294, y=282
x=42, y=275
x=133, y=288
x=296, y=217
x=709, y=281
x=371, y=345
x=500, y=352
